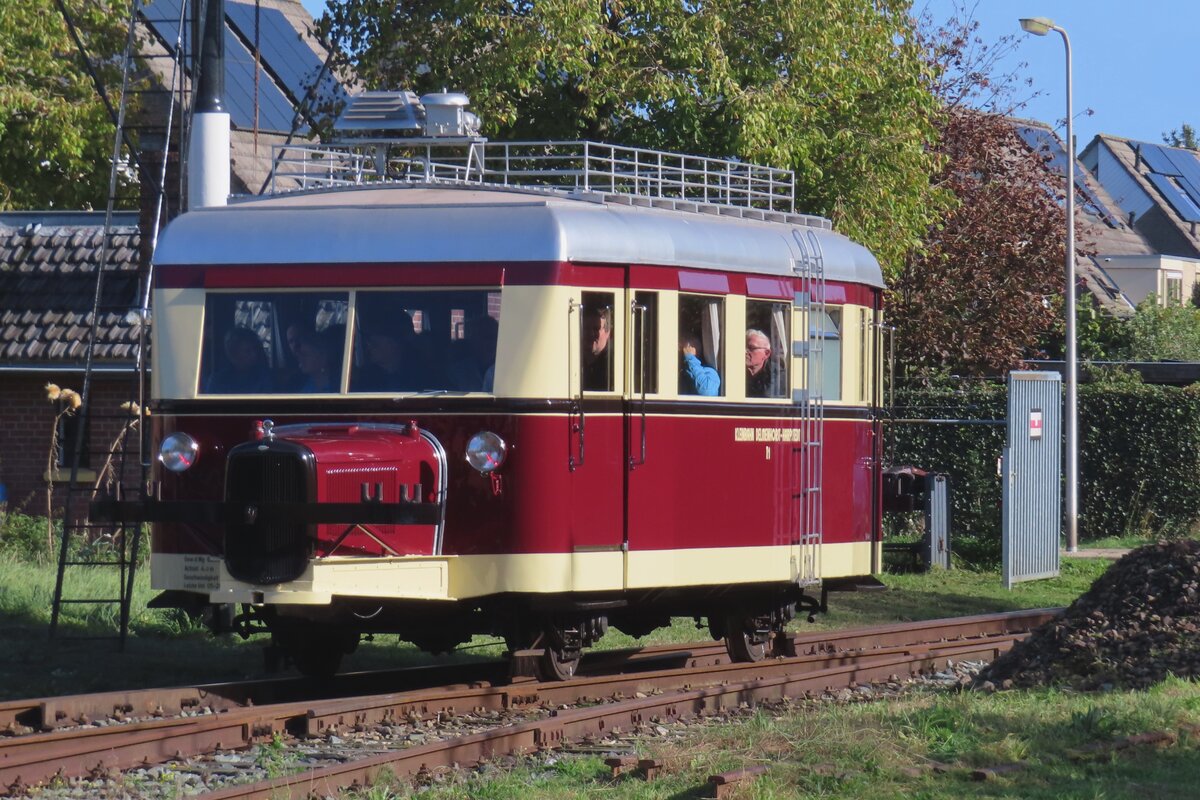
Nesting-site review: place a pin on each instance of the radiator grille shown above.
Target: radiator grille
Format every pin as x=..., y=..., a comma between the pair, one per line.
x=267, y=553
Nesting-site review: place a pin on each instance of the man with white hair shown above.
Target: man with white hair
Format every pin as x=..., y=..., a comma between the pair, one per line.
x=758, y=354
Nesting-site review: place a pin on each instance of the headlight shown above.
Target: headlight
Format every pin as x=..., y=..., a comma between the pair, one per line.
x=486, y=451
x=178, y=452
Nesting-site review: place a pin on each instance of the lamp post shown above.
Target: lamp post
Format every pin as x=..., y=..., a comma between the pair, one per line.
x=1041, y=26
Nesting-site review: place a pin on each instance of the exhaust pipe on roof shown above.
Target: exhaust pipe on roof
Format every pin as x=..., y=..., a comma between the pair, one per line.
x=208, y=149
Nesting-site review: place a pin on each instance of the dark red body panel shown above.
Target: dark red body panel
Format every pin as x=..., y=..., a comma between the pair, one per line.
x=699, y=487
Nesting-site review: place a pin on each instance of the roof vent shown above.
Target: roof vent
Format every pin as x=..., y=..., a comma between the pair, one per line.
x=389, y=113
x=397, y=114
x=446, y=115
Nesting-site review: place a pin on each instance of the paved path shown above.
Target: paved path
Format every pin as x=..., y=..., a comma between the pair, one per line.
x=1097, y=552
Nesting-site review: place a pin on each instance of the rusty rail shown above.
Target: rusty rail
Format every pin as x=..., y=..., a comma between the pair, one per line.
x=69, y=753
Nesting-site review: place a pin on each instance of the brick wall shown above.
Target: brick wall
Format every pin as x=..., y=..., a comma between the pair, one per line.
x=26, y=421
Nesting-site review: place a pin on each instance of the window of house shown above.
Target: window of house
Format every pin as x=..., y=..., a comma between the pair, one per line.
x=1174, y=286
x=645, y=342
x=65, y=436
x=767, y=348
x=701, y=345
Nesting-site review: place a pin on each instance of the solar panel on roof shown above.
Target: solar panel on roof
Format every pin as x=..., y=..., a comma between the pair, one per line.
x=163, y=17
x=1156, y=159
x=1046, y=144
x=286, y=55
x=1183, y=205
x=1186, y=163
x=275, y=111
x=1191, y=189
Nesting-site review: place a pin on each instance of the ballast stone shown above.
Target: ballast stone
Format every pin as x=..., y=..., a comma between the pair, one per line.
x=1136, y=624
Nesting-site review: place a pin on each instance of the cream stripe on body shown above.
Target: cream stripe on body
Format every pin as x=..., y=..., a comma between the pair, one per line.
x=465, y=577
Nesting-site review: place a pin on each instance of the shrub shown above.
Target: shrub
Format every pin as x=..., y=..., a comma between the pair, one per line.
x=967, y=452
x=24, y=536
x=1139, y=455
x=1139, y=459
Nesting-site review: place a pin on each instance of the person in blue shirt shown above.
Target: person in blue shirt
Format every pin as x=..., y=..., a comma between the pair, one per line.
x=695, y=377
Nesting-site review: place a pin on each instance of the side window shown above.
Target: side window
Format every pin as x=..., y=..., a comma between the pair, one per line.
x=645, y=342
x=827, y=328
x=273, y=343
x=701, y=333
x=767, y=349
x=596, y=342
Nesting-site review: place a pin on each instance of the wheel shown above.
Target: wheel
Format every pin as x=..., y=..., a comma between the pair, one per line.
x=562, y=650
x=745, y=641
x=315, y=651
x=559, y=664
x=316, y=659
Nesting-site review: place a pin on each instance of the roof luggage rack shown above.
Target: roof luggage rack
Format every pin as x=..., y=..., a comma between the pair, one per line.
x=569, y=166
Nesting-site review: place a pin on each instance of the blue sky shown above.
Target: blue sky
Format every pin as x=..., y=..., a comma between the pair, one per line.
x=1135, y=63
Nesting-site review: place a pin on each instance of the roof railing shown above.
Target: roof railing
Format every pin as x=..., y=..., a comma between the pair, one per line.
x=572, y=166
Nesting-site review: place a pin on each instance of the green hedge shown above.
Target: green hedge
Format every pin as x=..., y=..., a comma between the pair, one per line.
x=966, y=452
x=1139, y=458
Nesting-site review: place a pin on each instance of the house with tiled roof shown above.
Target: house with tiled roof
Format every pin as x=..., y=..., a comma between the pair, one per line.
x=278, y=87
x=48, y=265
x=1103, y=233
x=1157, y=191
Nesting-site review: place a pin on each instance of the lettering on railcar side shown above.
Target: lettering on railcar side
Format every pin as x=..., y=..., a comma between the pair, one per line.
x=766, y=434
x=201, y=573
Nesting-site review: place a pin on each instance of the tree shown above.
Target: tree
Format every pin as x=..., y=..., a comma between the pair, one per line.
x=987, y=285
x=985, y=289
x=1163, y=333
x=1185, y=136
x=837, y=91
x=55, y=136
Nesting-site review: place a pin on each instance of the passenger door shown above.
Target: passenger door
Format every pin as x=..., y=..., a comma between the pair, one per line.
x=597, y=453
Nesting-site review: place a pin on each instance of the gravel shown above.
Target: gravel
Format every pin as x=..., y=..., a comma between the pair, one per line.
x=1136, y=624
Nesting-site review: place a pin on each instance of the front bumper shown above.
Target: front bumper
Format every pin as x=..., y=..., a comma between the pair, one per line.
x=407, y=578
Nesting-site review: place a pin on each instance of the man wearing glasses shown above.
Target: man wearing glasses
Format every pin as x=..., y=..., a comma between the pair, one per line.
x=758, y=353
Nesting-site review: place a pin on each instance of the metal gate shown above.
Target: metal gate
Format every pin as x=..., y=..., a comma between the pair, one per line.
x=1031, y=472
x=937, y=522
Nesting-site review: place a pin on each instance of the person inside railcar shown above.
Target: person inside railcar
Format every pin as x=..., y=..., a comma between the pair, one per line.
x=474, y=368
x=396, y=360
x=696, y=377
x=318, y=355
x=597, y=354
x=758, y=358
x=245, y=369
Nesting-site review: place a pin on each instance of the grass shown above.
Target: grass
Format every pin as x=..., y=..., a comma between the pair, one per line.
x=885, y=750
x=166, y=648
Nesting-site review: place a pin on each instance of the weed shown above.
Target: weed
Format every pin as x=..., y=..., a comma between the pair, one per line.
x=274, y=757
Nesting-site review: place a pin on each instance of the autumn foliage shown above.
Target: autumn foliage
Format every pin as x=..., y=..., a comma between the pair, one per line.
x=987, y=285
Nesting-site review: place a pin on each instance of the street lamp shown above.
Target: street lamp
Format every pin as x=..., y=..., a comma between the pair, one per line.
x=1041, y=26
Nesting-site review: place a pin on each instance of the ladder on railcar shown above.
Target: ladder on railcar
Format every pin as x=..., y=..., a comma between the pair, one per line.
x=808, y=337
x=120, y=465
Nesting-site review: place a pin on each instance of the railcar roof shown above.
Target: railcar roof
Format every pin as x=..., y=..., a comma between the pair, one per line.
x=454, y=223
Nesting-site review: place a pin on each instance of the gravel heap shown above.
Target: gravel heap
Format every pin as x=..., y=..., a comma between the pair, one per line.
x=1137, y=623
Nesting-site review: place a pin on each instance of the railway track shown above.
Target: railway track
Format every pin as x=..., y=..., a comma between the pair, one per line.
x=621, y=690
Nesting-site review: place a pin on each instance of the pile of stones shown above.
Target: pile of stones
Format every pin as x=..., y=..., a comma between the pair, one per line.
x=1137, y=623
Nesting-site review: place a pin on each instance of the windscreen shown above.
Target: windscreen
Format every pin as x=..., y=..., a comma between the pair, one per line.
x=273, y=342
x=425, y=340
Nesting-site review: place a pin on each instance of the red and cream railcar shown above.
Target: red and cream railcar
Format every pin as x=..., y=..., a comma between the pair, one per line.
x=443, y=409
